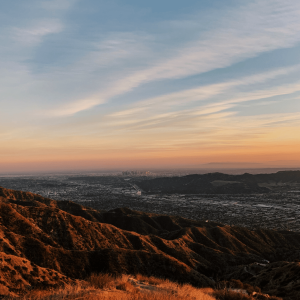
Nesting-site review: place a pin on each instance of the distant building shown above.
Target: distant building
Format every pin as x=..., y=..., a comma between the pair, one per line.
x=136, y=173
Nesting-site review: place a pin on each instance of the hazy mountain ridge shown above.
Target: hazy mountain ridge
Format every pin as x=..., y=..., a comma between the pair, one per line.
x=219, y=183
x=74, y=241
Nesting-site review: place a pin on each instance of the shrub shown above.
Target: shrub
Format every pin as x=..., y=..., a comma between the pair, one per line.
x=236, y=283
x=126, y=286
x=101, y=280
x=151, y=280
x=230, y=295
x=249, y=288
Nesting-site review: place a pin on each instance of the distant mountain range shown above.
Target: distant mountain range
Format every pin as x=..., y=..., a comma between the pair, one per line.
x=268, y=164
x=48, y=243
x=219, y=183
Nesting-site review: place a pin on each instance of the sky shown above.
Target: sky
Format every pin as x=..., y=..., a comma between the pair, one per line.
x=99, y=84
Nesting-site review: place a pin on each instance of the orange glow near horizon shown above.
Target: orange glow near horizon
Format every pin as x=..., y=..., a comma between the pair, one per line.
x=95, y=159
x=157, y=88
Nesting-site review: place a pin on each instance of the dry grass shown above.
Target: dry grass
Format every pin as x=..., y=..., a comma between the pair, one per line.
x=101, y=281
x=91, y=294
x=150, y=296
x=79, y=291
x=185, y=291
x=109, y=282
x=126, y=286
x=139, y=287
x=149, y=279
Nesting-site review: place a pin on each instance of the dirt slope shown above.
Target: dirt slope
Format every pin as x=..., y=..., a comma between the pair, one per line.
x=72, y=241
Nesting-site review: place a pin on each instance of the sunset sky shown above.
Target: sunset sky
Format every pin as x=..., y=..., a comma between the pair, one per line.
x=99, y=84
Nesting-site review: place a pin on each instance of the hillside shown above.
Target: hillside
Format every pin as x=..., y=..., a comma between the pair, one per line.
x=63, y=242
x=219, y=183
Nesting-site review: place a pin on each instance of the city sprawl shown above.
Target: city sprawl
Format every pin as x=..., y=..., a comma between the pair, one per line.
x=275, y=210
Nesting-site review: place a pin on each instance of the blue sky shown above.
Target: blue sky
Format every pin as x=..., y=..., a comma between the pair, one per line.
x=103, y=81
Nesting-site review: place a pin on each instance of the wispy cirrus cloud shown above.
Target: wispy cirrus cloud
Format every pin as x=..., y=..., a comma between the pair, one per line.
x=184, y=82
x=228, y=89
x=65, y=109
x=33, y=34
x=245, y=32
x=189, y=96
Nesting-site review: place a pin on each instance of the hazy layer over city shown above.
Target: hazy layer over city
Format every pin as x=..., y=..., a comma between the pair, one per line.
x=273, y=204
